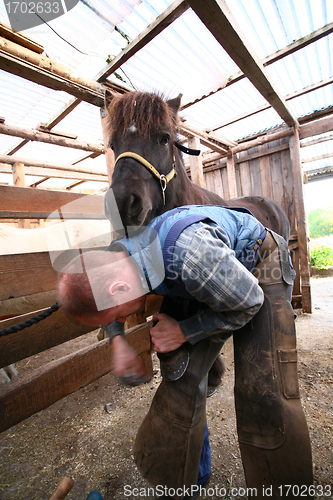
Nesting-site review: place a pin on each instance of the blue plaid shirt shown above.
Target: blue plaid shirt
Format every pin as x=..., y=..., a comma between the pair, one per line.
x=207, y=266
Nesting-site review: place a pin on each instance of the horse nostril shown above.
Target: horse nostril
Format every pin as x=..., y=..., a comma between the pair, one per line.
x=134, y=205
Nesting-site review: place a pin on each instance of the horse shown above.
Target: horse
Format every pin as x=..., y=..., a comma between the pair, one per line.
x=149, y=176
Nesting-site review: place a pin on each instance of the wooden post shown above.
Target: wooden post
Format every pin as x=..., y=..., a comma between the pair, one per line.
x=109, y=155
x=304, y=260
x=19, y=181
x=231, y=174
x=196, y=163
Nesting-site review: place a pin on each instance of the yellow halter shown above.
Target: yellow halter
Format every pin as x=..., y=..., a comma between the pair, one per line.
x=164, y=179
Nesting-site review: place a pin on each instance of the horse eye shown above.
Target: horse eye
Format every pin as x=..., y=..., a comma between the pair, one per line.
x=165, y=139
x=111, y=146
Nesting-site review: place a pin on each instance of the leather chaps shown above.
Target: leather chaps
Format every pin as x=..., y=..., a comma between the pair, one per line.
x=273, y=435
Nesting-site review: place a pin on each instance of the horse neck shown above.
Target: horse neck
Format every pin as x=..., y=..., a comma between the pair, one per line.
x=185, y=192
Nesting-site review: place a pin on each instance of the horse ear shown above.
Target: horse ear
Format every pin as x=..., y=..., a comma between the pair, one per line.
x=174, y=104
x=108, y=96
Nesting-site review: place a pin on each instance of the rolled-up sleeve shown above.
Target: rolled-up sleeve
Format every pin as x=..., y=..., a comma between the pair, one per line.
x=212, y=275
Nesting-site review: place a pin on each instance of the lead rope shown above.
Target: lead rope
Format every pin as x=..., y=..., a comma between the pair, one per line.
x=32, y=321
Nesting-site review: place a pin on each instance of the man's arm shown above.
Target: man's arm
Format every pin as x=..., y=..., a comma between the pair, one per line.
x=213, y=276
x=125, y=361
x=126, y=364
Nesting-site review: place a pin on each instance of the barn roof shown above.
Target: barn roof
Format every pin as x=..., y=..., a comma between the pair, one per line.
x=183, y=58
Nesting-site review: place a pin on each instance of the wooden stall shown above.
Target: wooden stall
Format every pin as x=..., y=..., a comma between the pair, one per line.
x=25, y=274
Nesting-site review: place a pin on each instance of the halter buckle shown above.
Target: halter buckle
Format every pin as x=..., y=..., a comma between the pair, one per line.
x=163, y=182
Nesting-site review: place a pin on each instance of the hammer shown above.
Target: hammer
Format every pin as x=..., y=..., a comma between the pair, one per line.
x=63, y=488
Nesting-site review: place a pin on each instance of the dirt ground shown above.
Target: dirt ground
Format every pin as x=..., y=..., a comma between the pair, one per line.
x=77, y=437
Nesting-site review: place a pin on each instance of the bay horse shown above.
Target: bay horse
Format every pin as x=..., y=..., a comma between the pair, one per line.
x=149, y=177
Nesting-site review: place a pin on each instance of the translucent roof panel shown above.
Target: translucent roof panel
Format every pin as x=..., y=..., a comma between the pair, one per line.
x=232, y=102
x=84, y=48
x=185, y=58
x=315, y=156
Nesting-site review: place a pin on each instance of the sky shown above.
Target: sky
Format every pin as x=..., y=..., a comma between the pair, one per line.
x=318, y=194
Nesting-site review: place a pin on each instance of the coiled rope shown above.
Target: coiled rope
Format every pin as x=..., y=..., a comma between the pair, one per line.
x=29, y=322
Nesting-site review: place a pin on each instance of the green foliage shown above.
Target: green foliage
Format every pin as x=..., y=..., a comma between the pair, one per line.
x=123, y=34
x=321, y=222
x=110, y=58
x=322, y=257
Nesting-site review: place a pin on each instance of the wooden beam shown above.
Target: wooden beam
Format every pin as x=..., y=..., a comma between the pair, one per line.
x=45, y=164
x=42, y=70
x=109, y=154
x=289, y=97
x=61, y=174
x=196, y=168
x=217, y=17
x=316, y=173
x=5, y=168
x=19, y=181
x=220, y=147
x=24, y=396
x=16, y=148
x=36, y=135
x=28, y=273
x=22, y=40
x=316, y=115
x=18, y=175
x=301, y=221
x=315, y=158
x=260, y=153
x=261, y=140
x=175, y=10
x=231, y=174
x=52, y=331
x=27, y=203
x=71, y=186
x=65, y=110
x=319, y=140
x=299, y=44
x=315, y=128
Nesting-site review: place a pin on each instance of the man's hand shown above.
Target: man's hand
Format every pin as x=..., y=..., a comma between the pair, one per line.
x=166, y=335
x=125, y=359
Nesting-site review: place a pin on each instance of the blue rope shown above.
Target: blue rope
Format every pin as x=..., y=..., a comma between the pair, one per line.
x=32, y=321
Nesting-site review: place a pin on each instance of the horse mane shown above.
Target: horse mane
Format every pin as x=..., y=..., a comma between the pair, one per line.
x=148, y=111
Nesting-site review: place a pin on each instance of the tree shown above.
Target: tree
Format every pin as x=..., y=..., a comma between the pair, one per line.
x=321, y=222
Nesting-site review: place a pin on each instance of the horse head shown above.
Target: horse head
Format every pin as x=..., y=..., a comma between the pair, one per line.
x=142, y=131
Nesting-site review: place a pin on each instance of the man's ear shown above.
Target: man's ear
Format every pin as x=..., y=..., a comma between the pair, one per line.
x=119, y=287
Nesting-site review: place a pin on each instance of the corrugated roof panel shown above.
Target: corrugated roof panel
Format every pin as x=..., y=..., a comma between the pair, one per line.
x=229, y=104
x=93, y=22
x=85, y=120
x=314, y=101
x=315, y=151
x=48, y=152
x=26, y=103
x=184, y=58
